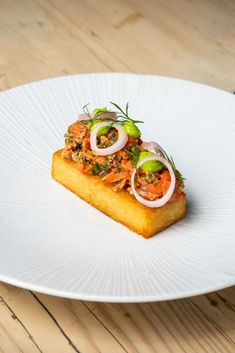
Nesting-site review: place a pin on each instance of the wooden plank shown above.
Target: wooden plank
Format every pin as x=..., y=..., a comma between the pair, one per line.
x=176, y=326
x=166, y=47
x=219, y=309
x=38, y=50
x=213, y=19
x=88, y=333
x=189, y=39
x=14, y=336
x=179, y=326
x=45, y=333
x=162, y=35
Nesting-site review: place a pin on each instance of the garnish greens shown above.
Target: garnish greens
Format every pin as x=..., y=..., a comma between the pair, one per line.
x=122, y=118
x=124, y=115
x=176, y=171
x=96, y=168
x=86, y=111
x=172, y=163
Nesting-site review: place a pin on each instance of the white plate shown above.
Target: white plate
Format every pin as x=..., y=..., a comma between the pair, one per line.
x=53, y=242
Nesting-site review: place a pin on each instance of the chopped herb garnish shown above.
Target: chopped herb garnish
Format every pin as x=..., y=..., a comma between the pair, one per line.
x=86, y=110
x=172, y=163
x=176, y=171
x=124, y=115
x=96, y=168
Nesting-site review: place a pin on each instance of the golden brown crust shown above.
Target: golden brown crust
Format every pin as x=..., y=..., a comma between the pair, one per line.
x=121, y=206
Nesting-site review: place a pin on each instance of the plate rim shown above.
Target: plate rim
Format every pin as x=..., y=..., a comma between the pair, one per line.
x=114, y=298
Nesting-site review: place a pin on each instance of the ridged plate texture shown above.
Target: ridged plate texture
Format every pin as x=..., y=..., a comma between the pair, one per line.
x=53, y=242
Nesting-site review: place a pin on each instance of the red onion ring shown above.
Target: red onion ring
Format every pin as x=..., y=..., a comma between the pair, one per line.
x=154, y=147
x=118, y=145
x=163, y=200
x=108, y=115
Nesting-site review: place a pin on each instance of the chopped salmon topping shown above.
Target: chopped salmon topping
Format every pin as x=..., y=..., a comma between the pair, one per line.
x=115, y=169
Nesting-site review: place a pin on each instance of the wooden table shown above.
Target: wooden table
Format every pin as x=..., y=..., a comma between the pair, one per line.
x=193, y=40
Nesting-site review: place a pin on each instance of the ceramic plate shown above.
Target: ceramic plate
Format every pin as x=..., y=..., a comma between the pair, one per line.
x=55, y=243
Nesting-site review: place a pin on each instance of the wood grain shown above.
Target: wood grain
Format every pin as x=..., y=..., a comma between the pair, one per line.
x=47, y=323
x=193, y=40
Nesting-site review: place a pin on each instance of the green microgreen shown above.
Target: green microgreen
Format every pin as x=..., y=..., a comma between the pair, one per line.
x=86, y=110
x=123, y=118
x=124, y=115
x=175, y=170
x=172, y=163
x=95, y=118
x=96, y=168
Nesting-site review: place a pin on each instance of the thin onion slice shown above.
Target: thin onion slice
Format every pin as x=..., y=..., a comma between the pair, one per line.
x=117, y=146
x=154, y=147
x=105, y=115
x=163, y=200
x=108, y=115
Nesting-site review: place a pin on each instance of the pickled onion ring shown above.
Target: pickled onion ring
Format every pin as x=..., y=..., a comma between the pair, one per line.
x=105, y=115
x=117, y=146
x=153, y=147
x=163, y=200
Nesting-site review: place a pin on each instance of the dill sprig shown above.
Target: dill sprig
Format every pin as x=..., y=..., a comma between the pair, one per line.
x=124, y=115
x=123, y=118
x=175, y=170
x=172, y=163
x=86, y=111
x=93, y=119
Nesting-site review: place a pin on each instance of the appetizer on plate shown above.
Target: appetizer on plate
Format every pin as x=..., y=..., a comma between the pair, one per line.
x=106, y=163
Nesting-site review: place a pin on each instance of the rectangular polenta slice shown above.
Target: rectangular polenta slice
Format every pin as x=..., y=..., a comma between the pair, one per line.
x=121, y=206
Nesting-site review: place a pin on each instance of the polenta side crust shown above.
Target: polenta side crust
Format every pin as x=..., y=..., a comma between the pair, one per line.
x=120, y=206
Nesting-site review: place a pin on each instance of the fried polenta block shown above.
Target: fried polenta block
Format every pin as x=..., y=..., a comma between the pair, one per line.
x=120, y=206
